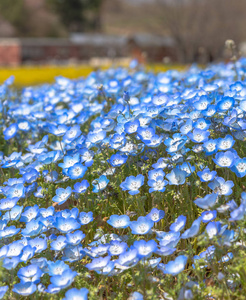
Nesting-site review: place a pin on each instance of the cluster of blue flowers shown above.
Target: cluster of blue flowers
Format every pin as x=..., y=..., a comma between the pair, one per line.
x=74, y=142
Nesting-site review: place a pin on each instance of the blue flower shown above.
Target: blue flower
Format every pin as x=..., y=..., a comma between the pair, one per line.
x=10, y=132
x=76, y=171
x=143, y=225
x=222, y=187
x=24, y=289
x=75, y=294
x=31, y=273
x=117, y=160
x=98, y=263
x=133, y=184
x=179, y=224
x=176, y=177
x=58, y=244
x=66, y=225
x=176, y=266
x=145, y=248
x=62, y=195
x=208, y=216
x=224, y=159
x=193, y=230
x=156, y=215
x=116, y=221
x=206, y=175
x=81, y=187
x=85, y=218
x=63, y=280
x=100, y=184
x=207, y=202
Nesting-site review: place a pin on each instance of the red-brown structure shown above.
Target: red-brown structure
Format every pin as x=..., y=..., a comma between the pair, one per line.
x=82, y=47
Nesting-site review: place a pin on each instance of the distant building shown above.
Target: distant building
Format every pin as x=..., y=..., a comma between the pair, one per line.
x=82, y=47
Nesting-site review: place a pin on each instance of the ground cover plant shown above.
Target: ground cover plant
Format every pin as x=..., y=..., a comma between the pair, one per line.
x=125, y=185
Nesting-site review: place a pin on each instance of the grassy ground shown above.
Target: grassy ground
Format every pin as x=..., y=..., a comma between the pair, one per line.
x=34, y=75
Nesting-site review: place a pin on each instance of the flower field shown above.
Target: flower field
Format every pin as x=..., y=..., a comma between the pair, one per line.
x=125, y=184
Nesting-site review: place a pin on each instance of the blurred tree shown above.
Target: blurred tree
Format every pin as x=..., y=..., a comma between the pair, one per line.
x=201, y=27
x=78, y=15
x=16, y=13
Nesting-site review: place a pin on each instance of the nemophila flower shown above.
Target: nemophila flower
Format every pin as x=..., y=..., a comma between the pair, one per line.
x=116, y=160
x=154, y=142
x=127, y=259
x=59, y=244
x=69, y=161
x=121, y=221
x=213, y=228
x=225, y=143
x=24, y=289
x=176, y=266
x=75, y=294
x=193, y=230
x=63, y=280
x=66, y=225
x=11, y=263
x=96, y=137
x=75, y=238
x=9, y=231
x=176, y=177
x=117, y=248
x=143, y=225
x=3, y=290
x=208, y=216
x=157, y=185
x=10, y=131
x=33, y=228
x=224, y=159
x=136, y=296
x=85, y=218
x=39, y=244
x=225, y=104
x=8, y=203
x=100, y=184
x=99, y=250
x=210, y=147
x=168, y=239
x=16, y=191
x=221, y=187
x=132, y=184
x=31, y=273
x=198, y=135
x=27, y=253
x=179, y=224
x=81, y=187
x=71, y=134
x=157, y=172
x=13, y=214
x=57, y=267
x=161, y=163
x=76, y=171
x=47, y=212
x=145, y=248
x=238, y=213
x=132, y=126
x=145, y=134
x=59, y=130
x=239, y=167
x=206, y=175
x=30, y=212
x=202, y=124
x=188, y=168
x=156, y=215
x=62, y=195
x=98, y=263
x=207, y=202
